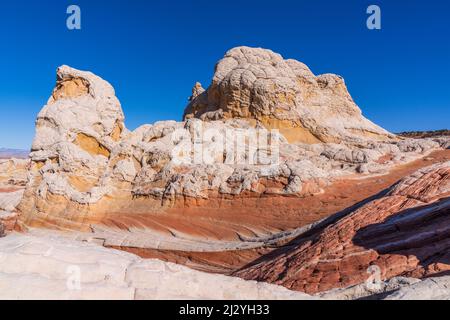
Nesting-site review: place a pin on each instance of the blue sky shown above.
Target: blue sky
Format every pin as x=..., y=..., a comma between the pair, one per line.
x=154, y=51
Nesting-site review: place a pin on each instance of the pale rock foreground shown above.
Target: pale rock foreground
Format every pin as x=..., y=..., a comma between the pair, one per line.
x=47, y=267
x=10, y=200
x=428, y=289
x=398, y=288
x=53, y=267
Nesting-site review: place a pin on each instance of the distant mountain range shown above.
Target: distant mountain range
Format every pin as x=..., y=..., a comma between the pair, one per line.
x=13, y=153
x=425, y=134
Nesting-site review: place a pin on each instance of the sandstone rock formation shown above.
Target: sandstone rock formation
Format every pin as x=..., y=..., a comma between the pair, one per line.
x=398, y=288
x=259, y=85
x=13, y=178
x=49, y=266
x=370, y=290
x=13, y=173
x=8, y=213
x=437, y=288
x=403, y=233
x=10, y=200
x=89, y=173
x=222, y=182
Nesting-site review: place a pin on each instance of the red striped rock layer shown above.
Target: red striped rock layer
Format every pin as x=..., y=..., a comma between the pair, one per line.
x=405, y=233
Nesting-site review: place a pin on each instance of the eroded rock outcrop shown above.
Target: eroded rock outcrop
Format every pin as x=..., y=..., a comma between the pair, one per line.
x=186, y=186
x=403, y=233
x=13, y=178
x=8, y=213
x=48, y=265
x=437, y=288
x=261, y=86
x=13, y=174
x=89, y=173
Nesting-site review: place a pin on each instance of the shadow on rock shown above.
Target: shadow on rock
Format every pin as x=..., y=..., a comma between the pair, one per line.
x=421, y=232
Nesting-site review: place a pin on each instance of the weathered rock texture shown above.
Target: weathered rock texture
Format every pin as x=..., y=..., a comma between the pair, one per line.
x=89, y=173
x=49, y=266
x=10, y=200
x=403, y=233
x=13, y=178
x=155, y=188
x=8, y=213
x=13, y=174
x=261, y=86
x=437, y=288
x=398, y=288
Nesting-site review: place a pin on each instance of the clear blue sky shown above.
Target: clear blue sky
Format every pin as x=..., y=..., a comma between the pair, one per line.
x=154, y=51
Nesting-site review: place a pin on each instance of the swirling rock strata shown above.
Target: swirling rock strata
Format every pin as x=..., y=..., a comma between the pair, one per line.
x=404, y=233
x=89, y=172
x=261, y=86
x=49, y=266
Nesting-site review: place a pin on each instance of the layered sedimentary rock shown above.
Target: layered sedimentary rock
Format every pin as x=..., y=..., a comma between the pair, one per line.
x=264, y=88
x=398, y=288
x=8, y=213
x=403, y=233
x=50, y=266
x=437, y=288
x=13, y=178
x=13, y=174
x=174, y=183
x=223, y=181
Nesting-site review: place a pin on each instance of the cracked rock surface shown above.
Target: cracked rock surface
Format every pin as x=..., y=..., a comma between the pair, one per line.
x=403, y=233
x=87, y=168
x=169, y=186
x=53, y=267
